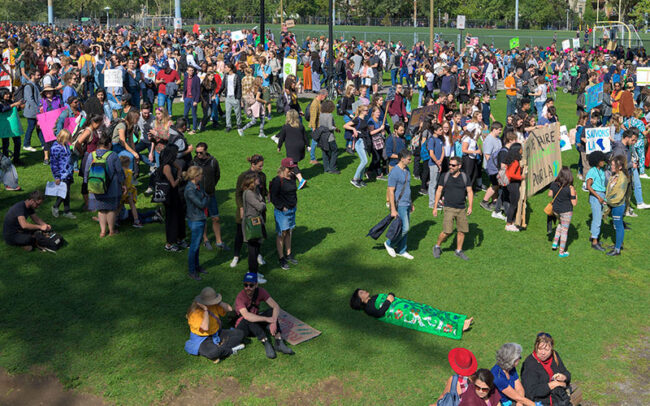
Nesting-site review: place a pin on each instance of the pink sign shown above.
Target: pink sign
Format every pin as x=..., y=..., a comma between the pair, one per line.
x=47, y=122
x=473, y=41
x=294, y=330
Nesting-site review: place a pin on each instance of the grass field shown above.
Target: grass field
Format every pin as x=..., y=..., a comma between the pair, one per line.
x=107, y=316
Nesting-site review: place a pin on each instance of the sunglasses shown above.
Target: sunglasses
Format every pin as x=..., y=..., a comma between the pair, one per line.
x=453, y=165
x=482, y=389
x=249, y=285
x=542, y=334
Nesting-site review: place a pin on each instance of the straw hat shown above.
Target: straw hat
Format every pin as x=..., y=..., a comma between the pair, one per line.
x=208, y=297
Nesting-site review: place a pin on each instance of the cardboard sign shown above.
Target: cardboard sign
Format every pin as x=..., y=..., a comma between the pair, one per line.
x=543, y=157
x=594, y=96
x=473, y=42
x=294, y=330
x=576, y=43
x=643, y=76
x=237, y=35
x=290, y=23
x=10, y=124
x=566, y=44
x=113, y=78
x=178, y=23
x=47, y=122
x=565, y=141
x=289, y=67
x=514, y=43
x=598, y=139
x=418, y=115
x=460, y=22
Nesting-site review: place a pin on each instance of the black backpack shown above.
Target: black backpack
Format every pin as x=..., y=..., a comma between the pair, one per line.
x=308, y=112
x=19, y=94
x=111, y=127
x=49, y=241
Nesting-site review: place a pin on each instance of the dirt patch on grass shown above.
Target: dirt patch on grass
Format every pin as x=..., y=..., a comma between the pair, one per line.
x=326, y=392
x=29, y=390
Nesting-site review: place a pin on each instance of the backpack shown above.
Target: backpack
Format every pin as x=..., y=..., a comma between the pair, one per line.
x=87, y=68
x=308, y=112
x=282, y=104
x=111, y=128
x=493, y=161
x=463, y=175
x=98, y=179
x=50, y=241
x=451, y=398
x=19, y=94
x=424, y=151
x=182, y=63
x=502, y=178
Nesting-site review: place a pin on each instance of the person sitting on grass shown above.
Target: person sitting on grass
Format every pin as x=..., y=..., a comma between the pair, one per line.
x=506, y=378
x=543, y=374
x=481, y=390
x=207, y=337
x=463, y=363
x=254, y=323
x=16, y=229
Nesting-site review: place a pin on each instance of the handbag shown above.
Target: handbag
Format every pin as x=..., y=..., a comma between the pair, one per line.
x=253, y=228
x=549, y=207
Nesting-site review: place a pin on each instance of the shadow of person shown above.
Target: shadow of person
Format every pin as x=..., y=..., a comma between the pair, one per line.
x=304, y=239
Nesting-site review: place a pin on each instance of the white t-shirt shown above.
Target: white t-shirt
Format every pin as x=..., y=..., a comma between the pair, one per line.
x=231, y=85
x=471, y=144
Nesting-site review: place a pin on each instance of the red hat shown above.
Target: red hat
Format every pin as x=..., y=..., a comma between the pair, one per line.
x=462, y=361
x=288, y=163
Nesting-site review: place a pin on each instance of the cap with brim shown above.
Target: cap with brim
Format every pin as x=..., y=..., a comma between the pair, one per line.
x=462, y=361
x=208, y=297
x=288, y=163
x=250, y=277
x=47, y=89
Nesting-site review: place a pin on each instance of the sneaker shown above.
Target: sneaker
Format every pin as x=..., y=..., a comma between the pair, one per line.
x=202, y=270
x=237, y=348
x=234, y=262
x=149, y=191
x=631, y=213
x=437, y=251
x=424, y=192
x=191, y=132
x=157, y=218
x=335, y=172
x=643, y=206
x=581, y=177
x=484, y=204
x=194, y=276
x=228, y=129
x=260, y=260
x=614, y=253
x=182, y=244
x=290, y=258
x=554, y=247
x=512, y=227
x=240, y=132
x=362, y=183
x=172, y=248
x=405, y=255
x=281, y=346
x=563, y=254
x=136, y=224
x=207, y=245
x=584, y=187
x=262, y=135
x=284, y=264
x=222, y=246
x=460, y=254
x=260, y=279
x=390, y=250
x=381, y=177
x=29, y=149
x=152, y=169
x=313, y=162
x=598, y=247
x=275, y=139
x=499, y=215
x=644, y=176
x=356, y=183
x=302, y=184
x=268, y=347
x=46, y=162
x=55, y=212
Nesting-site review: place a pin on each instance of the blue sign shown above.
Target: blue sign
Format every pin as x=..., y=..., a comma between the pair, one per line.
x=594, y=96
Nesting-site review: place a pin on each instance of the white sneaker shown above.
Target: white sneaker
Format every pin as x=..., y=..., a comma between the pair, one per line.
x=406, y=255
x=498, y=215
x=631, y=213
x=55, y=212
x=262, y=135
x=512, y=228
x=237, y=348
x=240, y=132
x=260, y=275
x=30, y=149
x=260, y=260
x=390, y=250
x=234, y=262
x=260, y=280
x=584, y=187
x=643, y=206
x=644, y=176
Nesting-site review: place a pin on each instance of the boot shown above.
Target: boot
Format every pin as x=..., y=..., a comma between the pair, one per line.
x=270, y=352
x=281, y=346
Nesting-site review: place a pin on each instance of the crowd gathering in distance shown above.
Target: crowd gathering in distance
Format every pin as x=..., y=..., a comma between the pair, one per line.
x=126, y=135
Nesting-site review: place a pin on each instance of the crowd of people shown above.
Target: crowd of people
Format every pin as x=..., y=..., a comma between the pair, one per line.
x=456, y=152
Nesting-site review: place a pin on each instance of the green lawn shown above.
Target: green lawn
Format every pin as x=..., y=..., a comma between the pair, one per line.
x=107, y=316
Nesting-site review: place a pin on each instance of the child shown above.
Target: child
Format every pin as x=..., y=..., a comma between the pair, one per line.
x=597, y=185
x=62, y=170
x=130, y=195
x=564, y=200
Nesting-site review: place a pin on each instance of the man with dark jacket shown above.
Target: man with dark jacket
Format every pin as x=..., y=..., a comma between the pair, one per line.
x=231, y=89
x=211, y=176
x=397, y=107
x=191, y=96
x=177, y=138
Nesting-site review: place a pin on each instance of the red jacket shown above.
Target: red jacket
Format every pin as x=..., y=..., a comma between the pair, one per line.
x=513, y=171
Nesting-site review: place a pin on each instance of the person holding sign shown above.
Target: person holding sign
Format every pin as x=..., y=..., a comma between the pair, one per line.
x=596, y=182
x=7, y=105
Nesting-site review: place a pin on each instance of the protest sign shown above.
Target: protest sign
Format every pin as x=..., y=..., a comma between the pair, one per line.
x=643, y=76
x=237, y=35
x=598, y=139
x=460, y=22
x=566, y=44
x=473, y=42
x=113, y=78
x=47, y=122
x=419, y=115
x=290, y=23
x=10, y=124
x=289, y=67
x=565, y=141
x=594, y=96
x=294, y=330
x=576, y=43
x=514, y=42
x=543, y=157
x=178, y=23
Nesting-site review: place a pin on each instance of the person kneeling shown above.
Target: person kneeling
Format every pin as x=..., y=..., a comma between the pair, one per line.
x=17, y=230
x=207, y=338
x=253, y=323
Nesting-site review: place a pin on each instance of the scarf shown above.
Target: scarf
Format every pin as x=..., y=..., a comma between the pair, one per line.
x=546, y=365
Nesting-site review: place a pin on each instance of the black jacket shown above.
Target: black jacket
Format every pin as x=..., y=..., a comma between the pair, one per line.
x=535, y=379
x=224, y=86
x=211, y=173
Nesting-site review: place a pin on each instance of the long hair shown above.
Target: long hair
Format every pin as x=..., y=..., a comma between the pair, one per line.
x=293, y=119
x=564, y=177
x=514, y=154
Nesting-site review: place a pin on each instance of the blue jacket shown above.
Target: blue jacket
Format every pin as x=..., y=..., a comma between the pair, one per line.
x=195, y=86
x=60, y=162
x=197, y=201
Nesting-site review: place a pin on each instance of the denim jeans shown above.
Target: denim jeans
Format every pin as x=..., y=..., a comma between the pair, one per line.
x=399, y=245
x=393, y=76
x=636, y=185
x=188, y=104
x=164, y=100
x=434, y=171
x=135, y=96
x=511, y=106
x=141, y=146
x=360, y=149
x=31, y=125
x=539, y=106
x=596, y=215
x=196, y=228
x=617, y=216
x=232, y=103
x=312, y=153
x=121, y=151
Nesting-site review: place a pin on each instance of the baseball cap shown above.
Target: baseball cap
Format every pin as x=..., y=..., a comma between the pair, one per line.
x=250, y=277
x=288, y=163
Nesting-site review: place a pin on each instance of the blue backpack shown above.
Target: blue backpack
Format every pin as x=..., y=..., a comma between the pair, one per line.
x=424, y=151
x=451, y=398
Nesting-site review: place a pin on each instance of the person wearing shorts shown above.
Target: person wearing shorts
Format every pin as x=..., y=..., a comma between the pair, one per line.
x=283, y=190
x=456, y=189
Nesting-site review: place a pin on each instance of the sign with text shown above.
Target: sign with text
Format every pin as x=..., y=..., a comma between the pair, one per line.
x=113, y=78
x=289, y=67
x=290, y=23
x=178, y=23
x=473, y=42
x=594, y=96
x=543, y=157
x=237, y=35
x=566, y=44
x=418, y=115
x=514, y=43
x=598, y=139
x=643, y=76
x=460, y=22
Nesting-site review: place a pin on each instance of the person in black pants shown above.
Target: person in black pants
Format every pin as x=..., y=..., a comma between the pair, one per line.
x=514, y=173
x=254, y=323
x=254, y=206
x=7, y=104
x=174, y=210
x=16, y=229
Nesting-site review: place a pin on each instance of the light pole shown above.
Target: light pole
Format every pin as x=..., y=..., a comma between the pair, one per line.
x=107, y=10
x=430, y=24
x=567, y=19
x=415, y=21
x=516, y=14
x=50, y=12
x=262, y=18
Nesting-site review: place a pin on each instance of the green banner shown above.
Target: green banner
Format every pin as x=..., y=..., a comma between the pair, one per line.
x=10, y=124
x=422, y=317
x=514, y=42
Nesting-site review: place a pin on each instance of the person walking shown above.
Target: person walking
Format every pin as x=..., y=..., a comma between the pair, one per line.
x=360, y=142
x=293, y=136
x=458, y=196
x=399, y=199
x=191, y=97
x=196, y=202
x=232, y=90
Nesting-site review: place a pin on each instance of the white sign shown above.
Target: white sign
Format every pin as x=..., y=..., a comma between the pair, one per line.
x=598, y=139
x=54, y=190
x=565, y=141
x=289, y=67
x=576, y=43
x=460, y=22
x=643, y=76
x=113, y=78
x=566, y=44
x=237, y=35
x=178, y=23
